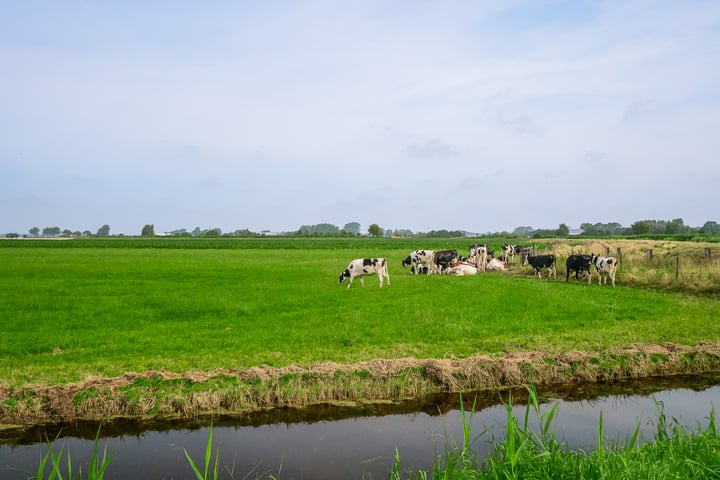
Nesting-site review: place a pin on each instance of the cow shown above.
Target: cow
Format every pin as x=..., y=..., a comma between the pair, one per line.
x=579, y=264
x=495, y=264
x=361, y=267
x=538, y=262
x=443, y=258
x=510, y=251
x=419, y=259
x=478, y=256
x=461, y=268
x=606, y=267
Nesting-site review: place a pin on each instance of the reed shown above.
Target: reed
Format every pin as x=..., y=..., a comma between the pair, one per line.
x=675, y=452
x=55, y=469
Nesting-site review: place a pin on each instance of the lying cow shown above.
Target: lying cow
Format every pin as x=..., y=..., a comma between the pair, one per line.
x=606, y=267
x=461, y=268
x=538, y=262
x=495, y=264
x=365, y=266
x=580, y=264
x=419, y=261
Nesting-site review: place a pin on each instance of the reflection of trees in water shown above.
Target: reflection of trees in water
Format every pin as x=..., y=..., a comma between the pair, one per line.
x=433, y=405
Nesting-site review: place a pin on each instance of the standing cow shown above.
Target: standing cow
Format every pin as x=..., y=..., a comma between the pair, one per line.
x=538, y=262
x=420, y=261
x=606, y=267
x=580, y=264
x=361, y=267
x=478, y=256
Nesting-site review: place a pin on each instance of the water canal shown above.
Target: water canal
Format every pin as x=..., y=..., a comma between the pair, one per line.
x=333, y=442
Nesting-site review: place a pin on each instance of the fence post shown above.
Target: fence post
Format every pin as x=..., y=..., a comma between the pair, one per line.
x=649, y=254
x=619, y=254
x=677, y=267
x=708, y=255
x=607, y=251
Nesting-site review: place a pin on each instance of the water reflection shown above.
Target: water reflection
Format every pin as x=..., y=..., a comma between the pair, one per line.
x=342, y=442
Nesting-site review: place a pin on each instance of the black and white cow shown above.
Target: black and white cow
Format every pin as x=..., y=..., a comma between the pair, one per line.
x=478, y=256
x=538, y=262
x=444, y=258
x=419, y=261
x=509, y=251
x=361, y=267
x=580, y=264
x=606, y=267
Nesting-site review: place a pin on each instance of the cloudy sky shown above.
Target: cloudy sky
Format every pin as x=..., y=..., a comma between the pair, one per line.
x=412, y=114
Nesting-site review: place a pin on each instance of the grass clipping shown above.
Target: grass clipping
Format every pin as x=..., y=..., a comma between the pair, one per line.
x=161, y=394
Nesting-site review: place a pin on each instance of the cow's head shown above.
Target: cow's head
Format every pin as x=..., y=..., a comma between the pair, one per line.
x=406, y=262
x=343, y=276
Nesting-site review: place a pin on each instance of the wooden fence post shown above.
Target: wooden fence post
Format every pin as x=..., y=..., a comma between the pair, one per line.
x=649, y=254
x=619, y=255
x=677, y=267
x=708, y=255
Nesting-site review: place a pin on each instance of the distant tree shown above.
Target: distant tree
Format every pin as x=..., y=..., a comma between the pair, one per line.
x=12, y=235
x=403, y=233
x=319, y=229
x=352, y=227
x=34, y=231
x=86, y=233
x=103, y=231
x=375, y=230
x=524, y=231
x=641, y=227
x=213, y=233
x=148, y=230
x=66, y=233
x=51, y=231
x=196, y=232
x=563, y=230
x=711, y=228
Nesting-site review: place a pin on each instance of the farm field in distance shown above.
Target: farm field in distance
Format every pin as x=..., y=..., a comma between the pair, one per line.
x=81, y=311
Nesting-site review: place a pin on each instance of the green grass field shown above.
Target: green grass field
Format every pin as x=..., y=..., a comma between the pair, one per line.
x=75, y=309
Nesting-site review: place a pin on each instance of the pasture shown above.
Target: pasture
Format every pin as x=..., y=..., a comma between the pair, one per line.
x=82, y=309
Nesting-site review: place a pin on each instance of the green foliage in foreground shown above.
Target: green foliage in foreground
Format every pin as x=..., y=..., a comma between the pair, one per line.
x=70, y=313
x=523, y=453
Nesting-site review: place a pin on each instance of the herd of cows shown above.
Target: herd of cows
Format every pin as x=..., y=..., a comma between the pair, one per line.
x=480, y=259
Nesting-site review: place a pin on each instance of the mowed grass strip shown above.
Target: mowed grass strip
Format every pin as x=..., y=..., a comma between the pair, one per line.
x=71, y=313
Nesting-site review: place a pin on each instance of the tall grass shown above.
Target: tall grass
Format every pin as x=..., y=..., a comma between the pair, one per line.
x=525, y=452
x=55, y=469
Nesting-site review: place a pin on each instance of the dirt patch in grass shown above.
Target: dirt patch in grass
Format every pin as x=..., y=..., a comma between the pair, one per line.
x=162, y=394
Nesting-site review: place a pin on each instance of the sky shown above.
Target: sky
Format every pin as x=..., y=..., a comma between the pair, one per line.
x=411, y=114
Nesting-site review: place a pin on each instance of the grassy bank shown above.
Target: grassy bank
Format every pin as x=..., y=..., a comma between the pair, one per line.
x=96, y=311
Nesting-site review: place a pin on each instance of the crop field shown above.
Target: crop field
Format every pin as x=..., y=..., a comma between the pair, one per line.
x=79, y=309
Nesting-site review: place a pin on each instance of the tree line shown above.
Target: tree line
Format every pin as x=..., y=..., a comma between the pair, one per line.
x=640, y=227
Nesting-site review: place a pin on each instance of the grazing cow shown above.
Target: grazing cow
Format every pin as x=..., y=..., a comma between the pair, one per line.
x=419, y=259
x=365, y=266
x=538, y=262
x=443, y=258
x=579, y=264
x=478, y=256
x=606, y=267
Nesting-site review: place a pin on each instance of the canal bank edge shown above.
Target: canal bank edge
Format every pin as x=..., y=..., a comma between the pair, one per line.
x=160, y=394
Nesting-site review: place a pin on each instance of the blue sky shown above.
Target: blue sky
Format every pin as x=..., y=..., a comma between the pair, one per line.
x=421, y=115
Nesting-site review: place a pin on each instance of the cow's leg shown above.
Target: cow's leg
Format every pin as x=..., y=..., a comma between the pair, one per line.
x=362, y=281
x=387, y=277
